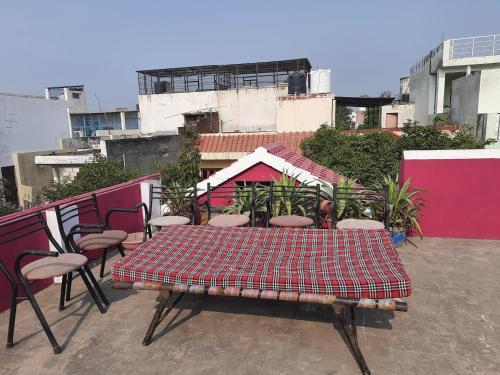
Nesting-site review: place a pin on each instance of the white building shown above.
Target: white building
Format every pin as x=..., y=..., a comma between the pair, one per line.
x=274, y=96
x=460, y=78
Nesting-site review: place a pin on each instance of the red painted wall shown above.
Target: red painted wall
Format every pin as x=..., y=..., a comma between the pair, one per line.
x=259, y=173
x=462, y=196
x=125, y=195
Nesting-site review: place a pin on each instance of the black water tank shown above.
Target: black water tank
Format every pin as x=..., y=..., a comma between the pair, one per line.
x=297, y=83
x=161, y=87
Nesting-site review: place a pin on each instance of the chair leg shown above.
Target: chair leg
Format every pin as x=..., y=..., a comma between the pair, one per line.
x=96, y=299
x=121, y=250
x=97, y=287
x=12, y=320
x=103, y=262
x=41, y=318
x=63, y=293
x=69, y=281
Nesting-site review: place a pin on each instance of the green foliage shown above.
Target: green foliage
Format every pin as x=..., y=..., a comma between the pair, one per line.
x=179, y=199
x=368, y=158
x=440, y=119
x=404, y=205
x=348, y=207
x=372, y=118
x=97, y=174
x=343, y=118
x=186, y=171
x=242, y=202
x=290, y=196
x=5, y=207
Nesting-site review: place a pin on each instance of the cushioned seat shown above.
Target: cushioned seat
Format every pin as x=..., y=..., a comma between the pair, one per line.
x=104, y=240
x=291, y=221
x=133, y=240
x=48, y=267
x=228, y=221
x=165, y=221
x=360, y=224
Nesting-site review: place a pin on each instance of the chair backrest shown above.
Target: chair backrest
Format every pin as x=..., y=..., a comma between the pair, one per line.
x=27, y=226
x=302, y=200
x=350, y=198
x=179, y=200
x=79, y=208
x=241, y=198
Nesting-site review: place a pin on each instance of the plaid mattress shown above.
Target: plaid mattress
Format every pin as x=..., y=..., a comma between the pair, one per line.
x=346, y=263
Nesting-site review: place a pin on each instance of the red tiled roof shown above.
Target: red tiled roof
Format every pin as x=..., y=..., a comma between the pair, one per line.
x=302, y=162
x=250, y=141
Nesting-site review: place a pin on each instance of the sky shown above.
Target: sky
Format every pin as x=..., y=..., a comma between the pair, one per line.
x=368, y=45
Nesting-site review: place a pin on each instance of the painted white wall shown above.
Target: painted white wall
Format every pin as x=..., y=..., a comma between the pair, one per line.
x=30, y=123
x=489, y=92
x=304, y=114
x=245, y=110
x=405, y=111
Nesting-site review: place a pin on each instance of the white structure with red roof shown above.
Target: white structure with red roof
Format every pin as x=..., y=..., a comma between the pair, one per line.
x=279, y=159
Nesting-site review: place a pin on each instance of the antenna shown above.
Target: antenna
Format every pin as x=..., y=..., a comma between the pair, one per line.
x=100, y=107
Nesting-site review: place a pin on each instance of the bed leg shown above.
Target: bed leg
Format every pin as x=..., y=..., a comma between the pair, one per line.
x=349, y=329
x=165, y=296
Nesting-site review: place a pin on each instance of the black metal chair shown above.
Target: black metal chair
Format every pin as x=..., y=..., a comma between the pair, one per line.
x=240, y=198
x=294, y=206
x=178, y=200
x=133, y=239
x=52, y=264
x=354, y=200
x=104, y=239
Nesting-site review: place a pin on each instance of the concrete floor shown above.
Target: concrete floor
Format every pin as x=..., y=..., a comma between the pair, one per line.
x=452, y=327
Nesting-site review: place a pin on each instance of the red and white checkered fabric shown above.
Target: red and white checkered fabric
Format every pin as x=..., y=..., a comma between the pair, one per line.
x=345, y=263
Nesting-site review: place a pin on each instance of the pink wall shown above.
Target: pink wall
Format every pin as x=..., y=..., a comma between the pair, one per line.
x=462, y=196
x=124, y=195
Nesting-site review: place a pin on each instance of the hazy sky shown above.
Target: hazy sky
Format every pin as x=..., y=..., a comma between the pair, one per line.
x=367, y=44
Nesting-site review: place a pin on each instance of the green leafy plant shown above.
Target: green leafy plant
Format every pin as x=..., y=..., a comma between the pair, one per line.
x=242, y=201
x=404, y=205
x=290, y=197
x=179, y=201
x=99, y=173
x=5, y=207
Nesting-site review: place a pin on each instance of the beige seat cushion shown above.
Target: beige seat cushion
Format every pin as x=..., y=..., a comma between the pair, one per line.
x=165, y=221
x=48, y=267
x=97, y=241
x=228, y=221
x=360, y=224
x=133, y=240
x=291, y=221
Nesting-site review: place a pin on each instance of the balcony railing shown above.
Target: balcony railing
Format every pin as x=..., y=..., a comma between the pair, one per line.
x=479, y=46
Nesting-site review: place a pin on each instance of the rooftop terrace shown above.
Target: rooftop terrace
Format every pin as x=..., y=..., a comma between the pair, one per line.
x=452, y=327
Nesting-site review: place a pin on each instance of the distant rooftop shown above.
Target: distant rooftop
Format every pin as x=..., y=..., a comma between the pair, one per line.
x=219, y=77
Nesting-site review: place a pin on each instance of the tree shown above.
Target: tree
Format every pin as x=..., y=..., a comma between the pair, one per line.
x=97, y=174
x=343, y=118
x=5, y=207
x=186, y=171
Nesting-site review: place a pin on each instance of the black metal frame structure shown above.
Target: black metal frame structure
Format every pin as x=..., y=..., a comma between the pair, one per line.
x=134, y=210
x=369, y=196
x=220, y=77
x=162, y=194
x=311, y=193
x=372, y=106
x=22, y=228
x=230, y=192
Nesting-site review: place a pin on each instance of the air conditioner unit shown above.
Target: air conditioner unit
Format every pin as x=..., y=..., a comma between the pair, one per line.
x=77, y=134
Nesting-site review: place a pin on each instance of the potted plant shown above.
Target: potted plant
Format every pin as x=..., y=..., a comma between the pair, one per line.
x=404, y=209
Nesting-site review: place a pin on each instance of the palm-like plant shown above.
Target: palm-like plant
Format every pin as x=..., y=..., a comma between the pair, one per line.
x=404, y=205
x=348, y=204
x=243, y=200
x=178, y=199
x=290, y=197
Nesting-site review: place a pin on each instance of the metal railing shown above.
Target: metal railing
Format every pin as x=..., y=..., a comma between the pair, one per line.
x=487, y=45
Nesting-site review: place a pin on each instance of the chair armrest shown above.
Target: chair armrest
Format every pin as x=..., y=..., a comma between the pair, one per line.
x=127, y=210
x=17, y=264
x=80, y=229
x=8, y=276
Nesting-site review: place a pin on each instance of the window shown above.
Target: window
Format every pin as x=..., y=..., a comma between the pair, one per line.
x=206, y=172
x=76, y=95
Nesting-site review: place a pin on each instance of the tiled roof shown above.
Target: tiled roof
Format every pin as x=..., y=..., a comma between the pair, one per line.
x=248, y=142
x=302, y=162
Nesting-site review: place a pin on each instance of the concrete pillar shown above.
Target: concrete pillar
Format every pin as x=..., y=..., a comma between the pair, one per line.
x=440, y=82
x=55, y=174
x=122, y=120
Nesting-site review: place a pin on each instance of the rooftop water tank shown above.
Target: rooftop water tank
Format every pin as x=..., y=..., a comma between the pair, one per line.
x=320, y=81
x=297, y=83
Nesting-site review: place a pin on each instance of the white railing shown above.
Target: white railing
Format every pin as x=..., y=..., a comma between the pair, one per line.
x=487, y=45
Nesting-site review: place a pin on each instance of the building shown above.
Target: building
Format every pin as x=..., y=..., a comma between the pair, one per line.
x=272, y=96
x=89, y=124
x=401, y=110
x=219, y=151
x=460, y=78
